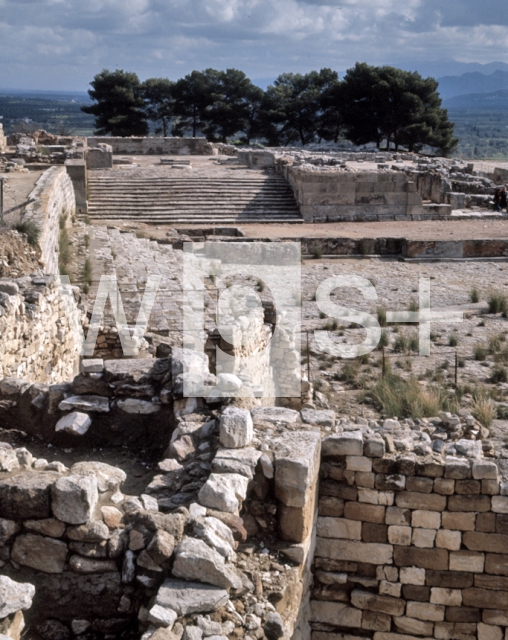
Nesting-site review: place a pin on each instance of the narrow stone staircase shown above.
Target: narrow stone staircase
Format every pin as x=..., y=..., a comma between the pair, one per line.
x=163, y=195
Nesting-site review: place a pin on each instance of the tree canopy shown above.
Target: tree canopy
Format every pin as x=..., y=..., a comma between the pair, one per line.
x=382, y=105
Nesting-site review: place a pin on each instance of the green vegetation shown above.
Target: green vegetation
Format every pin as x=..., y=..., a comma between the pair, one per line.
x=381, y=316
x=497, y=302
x=87, y=272
x=396, y=396
x=484, y=408
x=31, y=230
x=316, y=252
x=453, y=340
x=64, y=247
x=474, y=295
x=480, y=352
x=482, y=133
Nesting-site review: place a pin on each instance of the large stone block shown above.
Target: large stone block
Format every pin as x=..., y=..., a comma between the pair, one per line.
x=493, y=542
x=349, y=443
x=420, y=501
x=336, y=614
x=373, y=602
x=364, y=512
x=424, y=558
x=14, y=596
x=461, y=521
x=224, y=492
x=469, y=503
x=27, y=495
x=496, y=564
x=195, y=560
x=42, y=554
x=74, y=498
x=297, y=458
x=339, y=528
x=485, y=599
x=236, y=428
x=336, y=549
x=467, y=561
x=190, y=597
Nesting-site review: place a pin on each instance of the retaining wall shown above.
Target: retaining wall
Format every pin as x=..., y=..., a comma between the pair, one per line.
x=155, y=146
x=53, y=196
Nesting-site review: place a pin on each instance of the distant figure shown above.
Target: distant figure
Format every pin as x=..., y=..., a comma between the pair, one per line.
x=503, y=199
x=497, y=199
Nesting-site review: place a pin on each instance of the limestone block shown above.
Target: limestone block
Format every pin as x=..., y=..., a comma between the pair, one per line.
x=399, y=535
x=195, y=560
x=484, y=470
x=392, y=589
x=500, y=504
x=412, y=625
x=7, y=529
x=349, y=443
x=138, y=407
x=467, y=561
x=161, y=546
x=89, y=565
x=425, y=611
x=242, y=461
x=92, y=365
x=424, y=538
x=275, y=415
x=108, y=478
x=74, y=498
x=75, y=423
x=444, y=486
x=484, y=598
x=339, y=528
x=297, y=458
x=412, y=575
x=458, y=520
x=42, y=554
x=186, y=598
x=374, y=447
x=236, y=428
x=358, y=463
x=217, y=535
x=336, y=549
x=398, y=516
x=14, y=596
x=96, y=404
x=469, y=503
x=364, y=512
x=447, y=597
x=321, y=418
x=489, y=632
x=421, y=501
x=447, y=539
x=426, y=519
x=496, y=564
x=372, y=602
x=94, y=531
x=492, y=542
x=335, y=613
x=224, y=492
x=436, y=559
x=8, y=460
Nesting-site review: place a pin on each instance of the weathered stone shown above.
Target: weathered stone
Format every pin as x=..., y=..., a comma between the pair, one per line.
x=354, y=551
x=458, y=521
x=489, y=632
x=88, y=565
x=74, y=498
x=96, y=404
x=75, y=423
x=373, y=602
x=339, y=528
x=109, y=478
x=420, y=501
x=467, y=561
x=321, y=418
x=182, y=448
x=274, y=415
x=8, y=460
x=26, y=495
x=297, y=458
x=92, y=365
x=161, y=546
x=14, y=596
x=426, y=519
x=90, y=549
x=236, y=428
x=423, y=558
x=412, y=626
x=190, y=597
x=484, y=598
x=7, y=529
x=399, y=535
x=447, y=597
x=242, y=461
x=217, y=535
x=162, y=616
x=425, y=611
x=493, y=542
x=424, y=538
x=468, y=503
x=349, y=443
x=450, y=540
x=274, y=626
x=89, y=532
x=412, y=575
x=112, y=517
x=138, y=407
x=224, y=492
x=50, y=527
x=41, y=554
x=194, y=560
x=364, y=512
x=500, y=504
x=335, y=613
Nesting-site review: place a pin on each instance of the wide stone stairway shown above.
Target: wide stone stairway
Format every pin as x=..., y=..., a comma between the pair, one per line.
x=211, y=195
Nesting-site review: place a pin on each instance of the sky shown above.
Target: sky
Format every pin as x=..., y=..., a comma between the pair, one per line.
x=62, y=44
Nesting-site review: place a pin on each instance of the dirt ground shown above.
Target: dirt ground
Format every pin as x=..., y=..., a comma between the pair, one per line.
x=17, y=188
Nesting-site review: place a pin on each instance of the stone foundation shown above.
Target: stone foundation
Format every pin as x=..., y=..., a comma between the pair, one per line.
x=155, y=146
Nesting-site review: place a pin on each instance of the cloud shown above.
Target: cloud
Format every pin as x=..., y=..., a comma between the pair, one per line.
x=69, y=41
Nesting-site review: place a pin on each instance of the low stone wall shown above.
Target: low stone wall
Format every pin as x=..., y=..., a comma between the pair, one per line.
x=37, y=340
x=53, y=197
x=155, y=146
x=3, y=140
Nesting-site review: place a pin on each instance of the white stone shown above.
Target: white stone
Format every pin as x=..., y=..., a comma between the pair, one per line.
x=349, y=443
x=162, y=616
x=74, y=498
x=14, y=596
x=500, y=504
x=267, y=466
x=275, y=415
x=140, y=407
x=236, y=428
x=224, y=492
x=149, y=502
x=412, y=575
x=85, y=403
x=359, y=463
x=424, y=538
x=217, y=535
x=92, y=365
x=229, y=382
x=190, y=597
x=109, y=478
x=196, y=510
x=242, y=461
x=195, y=560
x=339, y=528
x=76, y=423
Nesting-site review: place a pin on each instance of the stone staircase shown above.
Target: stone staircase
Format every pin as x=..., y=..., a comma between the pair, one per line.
x=164, y=195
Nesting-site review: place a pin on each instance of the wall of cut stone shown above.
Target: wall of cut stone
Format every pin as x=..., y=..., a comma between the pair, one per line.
x=53, y=197
x=3, y=140
x=409, y=547
x=155, y=146
x=38, y=342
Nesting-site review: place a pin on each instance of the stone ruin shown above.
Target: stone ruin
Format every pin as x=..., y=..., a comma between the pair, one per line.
x=263, y=517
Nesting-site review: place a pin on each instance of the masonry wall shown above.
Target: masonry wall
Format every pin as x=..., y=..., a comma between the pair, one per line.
x=409, y=547
x=3, y=140
x=53, y=197
x=155, y=146
x=37, y=340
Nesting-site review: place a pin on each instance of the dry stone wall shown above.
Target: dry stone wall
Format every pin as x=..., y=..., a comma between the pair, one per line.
x=53, y=196
x=155, y=146
x=37, y=340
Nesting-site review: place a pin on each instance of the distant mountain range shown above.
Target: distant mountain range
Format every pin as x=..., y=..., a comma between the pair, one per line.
x=451, y=86
x=485, y=101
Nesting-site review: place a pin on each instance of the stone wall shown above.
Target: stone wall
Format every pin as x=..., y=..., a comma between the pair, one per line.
x=37, y=340
x=155, y=146
x=333, y=195
x=409, y=547
x=53, y=197
x=3, y=140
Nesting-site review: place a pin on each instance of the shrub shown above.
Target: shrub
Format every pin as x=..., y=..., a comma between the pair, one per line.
x=484, y=408
x=494, y=344
x=413, y=344
x=86, y=241
x=322, y=315
x=453, y=340
x=413, y=305
x=499, y=374
x=497, y=302
x=384, y=340
x=474, y=295
x=316, y=252
x=479, y=352
x=31, y=230
x=381, y=316
x=332, y=325
x=87, y=272
x=401, y=344
x=64, y=249
x=260, y=285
